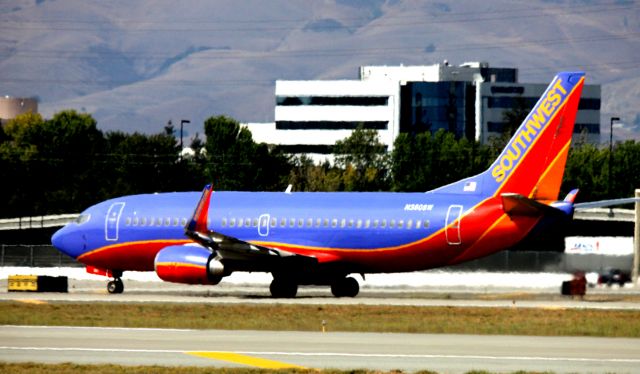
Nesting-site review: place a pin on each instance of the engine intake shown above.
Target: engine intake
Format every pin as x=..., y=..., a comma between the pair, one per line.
x=189, y=264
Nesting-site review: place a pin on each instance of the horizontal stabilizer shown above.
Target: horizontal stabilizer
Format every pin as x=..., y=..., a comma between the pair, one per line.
x=517, y=205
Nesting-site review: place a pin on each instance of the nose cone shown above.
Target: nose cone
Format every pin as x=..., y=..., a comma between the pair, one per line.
x=68, y=241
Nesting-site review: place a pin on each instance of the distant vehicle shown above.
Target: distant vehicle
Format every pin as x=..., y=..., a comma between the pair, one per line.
x=314, y=238
x=613, y=276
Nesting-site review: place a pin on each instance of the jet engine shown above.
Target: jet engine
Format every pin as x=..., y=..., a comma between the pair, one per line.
x=190, y=264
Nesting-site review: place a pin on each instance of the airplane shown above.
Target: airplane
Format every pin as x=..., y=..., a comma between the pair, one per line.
x=323, y=238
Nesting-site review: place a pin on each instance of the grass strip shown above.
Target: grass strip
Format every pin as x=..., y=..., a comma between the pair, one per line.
x=66, y=368
x=361, y=318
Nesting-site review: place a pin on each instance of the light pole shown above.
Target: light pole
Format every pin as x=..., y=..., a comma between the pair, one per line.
x=181, y=125
x=613, y=119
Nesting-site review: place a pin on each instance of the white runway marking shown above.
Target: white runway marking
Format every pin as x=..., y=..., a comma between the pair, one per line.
x=335, y=354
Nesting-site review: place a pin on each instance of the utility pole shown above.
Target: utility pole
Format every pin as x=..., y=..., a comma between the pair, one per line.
x=610, y=154
x=636, y=242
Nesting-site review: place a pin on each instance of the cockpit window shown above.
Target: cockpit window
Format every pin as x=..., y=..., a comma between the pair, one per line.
x=82, y=218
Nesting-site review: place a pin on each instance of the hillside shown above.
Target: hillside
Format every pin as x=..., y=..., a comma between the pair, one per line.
x=136, y=64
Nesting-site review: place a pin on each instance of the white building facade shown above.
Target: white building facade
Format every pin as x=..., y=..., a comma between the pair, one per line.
x=469, y=100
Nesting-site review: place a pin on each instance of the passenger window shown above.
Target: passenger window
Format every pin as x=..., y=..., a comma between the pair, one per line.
x=343, y=223
x=240, y=222
x=418, y=224
x=254, y=223
x=184, y=221
x=383, y=223
x=224, y=222
x=410, y=224
x=426, y=224
x=232, y=222
x=375, y=223
x=176, y=221
x=283, y=222
x=143, y=221
x=247, y=222
x=128, y=221
x=292, y=222
x=167, y=221
x=359, y=223
x=309, y=222
x=274, y=221
x=300, y=222
x=367, y=224
x=400, y=224
x=392, y=224
x=318, y=220
x=334, y=223
x=325, y=222
x=135, y=221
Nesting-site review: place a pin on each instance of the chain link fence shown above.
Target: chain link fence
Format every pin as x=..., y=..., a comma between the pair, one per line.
x=34, y=256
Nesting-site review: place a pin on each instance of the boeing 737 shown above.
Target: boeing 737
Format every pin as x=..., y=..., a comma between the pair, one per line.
x=321, y=238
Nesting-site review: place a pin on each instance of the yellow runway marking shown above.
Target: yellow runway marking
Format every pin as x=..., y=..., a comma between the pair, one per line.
x=32, y=301
x=245, y=360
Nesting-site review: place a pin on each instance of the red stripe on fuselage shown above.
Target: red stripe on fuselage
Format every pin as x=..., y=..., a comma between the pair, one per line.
x=137, y=256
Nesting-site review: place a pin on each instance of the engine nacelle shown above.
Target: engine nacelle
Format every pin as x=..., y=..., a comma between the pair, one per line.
x=188, y=264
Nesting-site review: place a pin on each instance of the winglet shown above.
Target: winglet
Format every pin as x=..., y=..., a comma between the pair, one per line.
x=199, y=221
x=571, y=196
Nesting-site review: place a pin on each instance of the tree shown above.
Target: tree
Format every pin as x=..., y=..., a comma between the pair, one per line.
x=236, y=162
x=364, y=161
x=425, y=161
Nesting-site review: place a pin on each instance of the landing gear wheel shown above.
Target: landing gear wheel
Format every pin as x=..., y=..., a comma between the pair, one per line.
x=346, y=287
x=283, y=288
x=115, y=286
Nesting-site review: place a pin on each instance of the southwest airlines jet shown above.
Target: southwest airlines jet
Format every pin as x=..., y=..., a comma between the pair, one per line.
x=316, y=238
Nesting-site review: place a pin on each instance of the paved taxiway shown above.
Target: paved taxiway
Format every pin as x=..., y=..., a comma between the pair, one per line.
x=445, y=353
x=94, y=291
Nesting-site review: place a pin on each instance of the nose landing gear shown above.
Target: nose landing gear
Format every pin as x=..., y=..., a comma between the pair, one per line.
x=116, y=285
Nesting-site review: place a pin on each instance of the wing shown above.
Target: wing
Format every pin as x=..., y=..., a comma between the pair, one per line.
x=256, y=257
x=606, y=203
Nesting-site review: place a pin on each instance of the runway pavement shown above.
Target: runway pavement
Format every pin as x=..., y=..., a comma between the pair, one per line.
x=94, y=291
x=411, y=352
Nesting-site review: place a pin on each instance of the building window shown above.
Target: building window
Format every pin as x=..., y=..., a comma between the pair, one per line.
x=331, y=125
x=332, y=100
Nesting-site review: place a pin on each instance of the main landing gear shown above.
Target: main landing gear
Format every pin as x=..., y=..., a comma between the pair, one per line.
x=116, y=285
x=345, y=287
x=287, y=288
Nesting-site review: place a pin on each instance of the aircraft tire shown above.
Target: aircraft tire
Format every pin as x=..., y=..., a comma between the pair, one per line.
x=115, y=286
x=283, y=289
x=345, y=287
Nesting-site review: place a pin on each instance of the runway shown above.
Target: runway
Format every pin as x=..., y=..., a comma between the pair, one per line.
x=150, y=292
x=383, y=351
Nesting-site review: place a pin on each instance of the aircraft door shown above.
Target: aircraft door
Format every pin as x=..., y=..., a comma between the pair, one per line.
x=452, y=230
x=263, y=225
x=112, y=221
